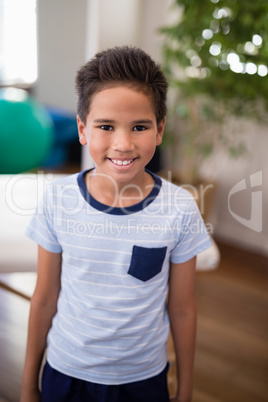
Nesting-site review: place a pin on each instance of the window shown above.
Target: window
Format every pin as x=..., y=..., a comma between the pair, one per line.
x=18, y=42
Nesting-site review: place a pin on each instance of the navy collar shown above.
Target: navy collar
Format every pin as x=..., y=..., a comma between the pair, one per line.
x=116, y=210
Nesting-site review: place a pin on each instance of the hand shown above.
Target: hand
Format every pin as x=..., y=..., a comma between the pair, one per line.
x=177, y=399
x=31, y=396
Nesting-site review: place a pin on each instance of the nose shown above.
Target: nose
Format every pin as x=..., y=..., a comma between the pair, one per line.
x=123, y=142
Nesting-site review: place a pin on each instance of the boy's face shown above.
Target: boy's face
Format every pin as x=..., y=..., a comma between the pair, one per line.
x=121, y=133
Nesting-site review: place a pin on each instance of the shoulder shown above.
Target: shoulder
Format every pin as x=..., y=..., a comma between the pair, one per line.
x=178, y=196
x=63, y=182
x=61, y=186
x=172, y=188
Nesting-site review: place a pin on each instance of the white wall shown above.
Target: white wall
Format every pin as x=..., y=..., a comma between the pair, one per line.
x=61, y=50
x=155, y=14
x=242, y=217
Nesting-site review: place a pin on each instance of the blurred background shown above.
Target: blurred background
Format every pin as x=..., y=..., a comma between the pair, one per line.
x=215, y=56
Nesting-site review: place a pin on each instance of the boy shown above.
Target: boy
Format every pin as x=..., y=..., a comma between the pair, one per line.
x=112, y=241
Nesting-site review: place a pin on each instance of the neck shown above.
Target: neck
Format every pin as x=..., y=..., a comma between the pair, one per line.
x=109, y=192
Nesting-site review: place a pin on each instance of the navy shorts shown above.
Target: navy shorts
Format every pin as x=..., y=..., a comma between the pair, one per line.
x=58, y=387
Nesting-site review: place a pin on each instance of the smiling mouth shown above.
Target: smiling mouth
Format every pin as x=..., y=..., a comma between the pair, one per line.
x=119, y=162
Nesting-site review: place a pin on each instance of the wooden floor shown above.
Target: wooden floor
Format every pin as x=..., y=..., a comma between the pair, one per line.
x=232, y=342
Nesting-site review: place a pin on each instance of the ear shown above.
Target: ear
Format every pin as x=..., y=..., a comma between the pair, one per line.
x=160, y=131
x=81, y=131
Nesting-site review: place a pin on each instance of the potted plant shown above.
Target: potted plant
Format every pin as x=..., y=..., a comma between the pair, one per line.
x=215, y=57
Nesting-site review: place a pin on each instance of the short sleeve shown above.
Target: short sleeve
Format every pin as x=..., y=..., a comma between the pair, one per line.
x=193, y=237
x=41, y=228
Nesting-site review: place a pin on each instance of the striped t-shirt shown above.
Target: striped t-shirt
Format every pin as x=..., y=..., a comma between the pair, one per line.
x=111, y=324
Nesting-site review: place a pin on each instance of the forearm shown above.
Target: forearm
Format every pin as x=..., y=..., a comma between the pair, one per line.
x=40, y=319
x=183, y=327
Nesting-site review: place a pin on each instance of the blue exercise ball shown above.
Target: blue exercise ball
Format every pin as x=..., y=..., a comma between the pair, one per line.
x=26, y=131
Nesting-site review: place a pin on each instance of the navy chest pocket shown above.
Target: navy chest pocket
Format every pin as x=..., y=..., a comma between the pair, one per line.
x=146, y=262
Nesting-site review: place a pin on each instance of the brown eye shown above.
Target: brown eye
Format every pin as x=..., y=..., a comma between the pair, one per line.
x=105, y=127
x=139, y=128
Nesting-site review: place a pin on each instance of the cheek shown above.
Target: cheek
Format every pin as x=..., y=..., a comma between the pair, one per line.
x=97, y=143
x=149, y=145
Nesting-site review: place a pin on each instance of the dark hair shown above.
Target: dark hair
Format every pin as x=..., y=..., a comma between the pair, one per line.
x=129, y=66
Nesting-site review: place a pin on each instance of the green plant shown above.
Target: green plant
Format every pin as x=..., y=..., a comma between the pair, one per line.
x=215, y=57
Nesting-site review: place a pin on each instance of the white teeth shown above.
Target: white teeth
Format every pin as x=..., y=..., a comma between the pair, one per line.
x=120, y=163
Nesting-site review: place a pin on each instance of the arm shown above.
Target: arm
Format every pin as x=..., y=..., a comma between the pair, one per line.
x=43, y=308
x=182, y=314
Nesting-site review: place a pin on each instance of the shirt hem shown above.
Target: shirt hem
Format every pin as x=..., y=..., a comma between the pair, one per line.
x=104, y=380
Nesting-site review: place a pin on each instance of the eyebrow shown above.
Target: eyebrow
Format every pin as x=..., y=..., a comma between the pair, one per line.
x=142, y=121
x=102, y=120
